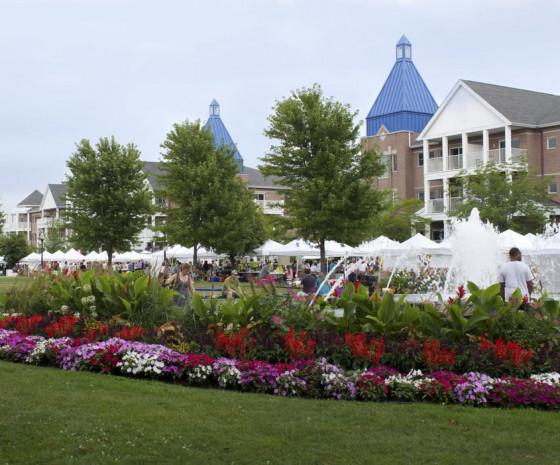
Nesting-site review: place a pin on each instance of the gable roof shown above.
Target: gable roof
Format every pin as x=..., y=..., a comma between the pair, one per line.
x=58, y=192
x=520, y=106
x=32, y=200
x=257, y=179
x=153, y=171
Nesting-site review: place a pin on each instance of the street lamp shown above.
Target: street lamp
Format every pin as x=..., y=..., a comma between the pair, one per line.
x=41, y=240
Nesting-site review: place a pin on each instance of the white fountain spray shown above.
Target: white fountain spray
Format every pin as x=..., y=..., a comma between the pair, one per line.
x=476, y=253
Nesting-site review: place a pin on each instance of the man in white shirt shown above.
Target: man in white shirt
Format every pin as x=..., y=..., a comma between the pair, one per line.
x=515, y=275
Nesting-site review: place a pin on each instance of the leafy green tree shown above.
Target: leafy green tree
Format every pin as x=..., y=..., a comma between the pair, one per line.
x=208, y=203
x=109, y=201
x=2, y=220
x=278, y=228
x=520, y=205
x=317, y=153
x=14, y=247
x=398, y=220
x=56, y=238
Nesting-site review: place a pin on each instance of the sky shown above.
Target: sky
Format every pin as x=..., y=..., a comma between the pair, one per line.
x=74, y=69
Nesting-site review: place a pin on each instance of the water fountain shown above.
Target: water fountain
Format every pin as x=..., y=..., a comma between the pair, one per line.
x=476, y=253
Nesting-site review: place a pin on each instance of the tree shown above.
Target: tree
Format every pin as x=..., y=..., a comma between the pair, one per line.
x=318, y=155
x=13, y=247
x=56, y=238
x=398, y=220
x=519, y=204
x=208, y=203
x=2, y=220
x=278, y=228
x=109, y=201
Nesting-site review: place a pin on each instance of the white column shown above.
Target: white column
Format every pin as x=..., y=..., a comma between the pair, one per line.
x=445, y=195
x=507, y=131
x=485, y=146
x=465, y=144
x=426, y=154
x=445, y=152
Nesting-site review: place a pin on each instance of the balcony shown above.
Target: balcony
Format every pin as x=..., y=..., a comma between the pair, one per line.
x=435, y=164
x=454, y=204
x=498, y=156
x=271, y=207
x=435, y=206
x=455, y=162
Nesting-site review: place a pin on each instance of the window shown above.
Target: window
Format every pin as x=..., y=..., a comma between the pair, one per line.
x=435, y=154
x=553, y=188
x=551, y=142
x=385, y=163
x=420, y=159
x=259, y=196
x=394, y=162
x=420, y=195
x=394, y=196
x=455, y=151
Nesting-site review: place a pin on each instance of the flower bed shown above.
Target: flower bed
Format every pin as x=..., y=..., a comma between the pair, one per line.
x=306, y=378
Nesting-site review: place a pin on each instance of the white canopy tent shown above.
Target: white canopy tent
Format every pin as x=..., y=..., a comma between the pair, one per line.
x=379, y=246
x=31, y=258
x=297, y=248
x=58, y=256
x=92, y=257
x=509, y=239
x=74, y=256
x=268, y=248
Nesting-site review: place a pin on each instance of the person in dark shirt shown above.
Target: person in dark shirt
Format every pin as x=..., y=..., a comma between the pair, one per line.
x=309, y=282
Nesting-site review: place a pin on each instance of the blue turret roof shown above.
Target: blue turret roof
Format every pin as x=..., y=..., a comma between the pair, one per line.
x=220, y=133
x=404, y=103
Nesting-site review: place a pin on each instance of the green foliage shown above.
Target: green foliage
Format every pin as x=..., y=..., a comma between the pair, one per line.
x=56, y=239
x=208, y=203
x=519, y=205
x=14, y=247
x=134, y=297
x=398, y=219
x=109, y=199
x=317, y=153
x=2, y=219
x=278, y=228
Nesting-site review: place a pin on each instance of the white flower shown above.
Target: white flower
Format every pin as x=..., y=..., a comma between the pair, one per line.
x=552, y=379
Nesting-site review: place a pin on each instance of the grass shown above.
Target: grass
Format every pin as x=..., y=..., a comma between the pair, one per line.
x=8, y=282
x=49, y=416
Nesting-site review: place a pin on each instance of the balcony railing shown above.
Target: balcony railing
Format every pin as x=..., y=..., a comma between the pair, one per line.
x=455, y=162
x=435, y=206
x=454, y=204
x=271, y=207
x=435, y=165
x=499, y=155
x=475, y=159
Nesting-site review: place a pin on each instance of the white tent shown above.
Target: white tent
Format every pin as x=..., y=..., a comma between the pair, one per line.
x=128, y=257
x=92, y=257
x=102, y=256
x=73, y=256
x=336, y=249
x=297, y=248
x=31, y=258
x=509, y=239
x=268, y=248
x=58, y=256
x=379, y=246
x=418, y=244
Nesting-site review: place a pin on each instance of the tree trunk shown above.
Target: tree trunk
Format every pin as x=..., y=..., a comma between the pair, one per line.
x=109, y=250
x=195, y=255
x=323, y=256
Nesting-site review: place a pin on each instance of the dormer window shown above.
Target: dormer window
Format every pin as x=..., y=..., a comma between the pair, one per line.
x=214, y=108
x=404, y=49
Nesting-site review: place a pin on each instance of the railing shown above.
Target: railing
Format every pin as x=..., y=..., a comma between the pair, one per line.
x=271, y=207
x=455, y=162
x=435, y=206
x=499, y=155
x=454, y=203
x=435, y=164
x=475, y=159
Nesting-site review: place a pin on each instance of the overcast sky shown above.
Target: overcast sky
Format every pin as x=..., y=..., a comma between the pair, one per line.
x=73, y=69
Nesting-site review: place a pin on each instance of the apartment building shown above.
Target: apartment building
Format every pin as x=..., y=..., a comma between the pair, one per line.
x=479, y=123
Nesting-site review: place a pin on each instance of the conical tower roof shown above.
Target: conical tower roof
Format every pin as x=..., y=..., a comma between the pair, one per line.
x=220, y=132
x=405, y=102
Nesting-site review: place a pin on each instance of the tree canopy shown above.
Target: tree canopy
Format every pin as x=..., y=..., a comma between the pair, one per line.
x=109, y=200
x=208, y=204
x=398, y=219
x=13, y=247
x=317, y=152
x=520, y=204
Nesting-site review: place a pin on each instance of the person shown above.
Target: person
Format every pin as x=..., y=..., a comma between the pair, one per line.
x=182, y=283
x=264, y=271
x=308, y=282
x=314, y=267
x=232, y=286
x=515, y=275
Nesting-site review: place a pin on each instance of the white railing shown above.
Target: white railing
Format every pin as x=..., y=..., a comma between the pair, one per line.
x=45, y=223
x=435, y=206
x=435, y=164
x=454, y=203
x=455, y=162
x=475, y=159
x=271, y=207
x=499, y=155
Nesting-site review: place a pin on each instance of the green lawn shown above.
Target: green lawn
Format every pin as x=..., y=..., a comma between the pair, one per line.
x=48, y=416
x=8, y=282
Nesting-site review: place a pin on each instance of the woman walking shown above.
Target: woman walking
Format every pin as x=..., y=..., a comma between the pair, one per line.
x=183, y=284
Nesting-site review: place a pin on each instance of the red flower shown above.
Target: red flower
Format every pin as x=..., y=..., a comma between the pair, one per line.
x=361, y=348
x=435, y=356
x=298, y=346
x=236, y=344
x=461, y=291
